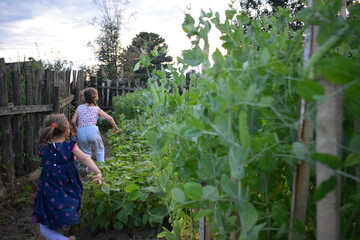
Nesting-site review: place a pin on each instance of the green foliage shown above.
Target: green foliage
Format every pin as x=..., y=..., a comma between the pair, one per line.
x=107, y=46
x=127, y=199
x=228, y=145
x=130, y=105
x=225, y=148
x=151, y=44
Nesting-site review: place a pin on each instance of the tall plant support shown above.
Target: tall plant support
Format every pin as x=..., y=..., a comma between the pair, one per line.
x=357, y=130
x=329, y=130
x=305, y=134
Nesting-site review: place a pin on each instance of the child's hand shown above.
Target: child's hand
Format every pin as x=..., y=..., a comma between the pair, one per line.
x=116, y=129
x=73, y=133
x=97, y=178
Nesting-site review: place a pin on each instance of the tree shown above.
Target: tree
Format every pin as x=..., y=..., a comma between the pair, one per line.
x=153, y=45
x=107, y=46
x=257, y=8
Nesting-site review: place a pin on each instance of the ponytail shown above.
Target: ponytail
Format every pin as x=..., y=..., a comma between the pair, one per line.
x=54, y=125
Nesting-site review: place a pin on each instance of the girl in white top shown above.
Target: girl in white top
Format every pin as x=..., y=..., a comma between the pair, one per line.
x=84, y=125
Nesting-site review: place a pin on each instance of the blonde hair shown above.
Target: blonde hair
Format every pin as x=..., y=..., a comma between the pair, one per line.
x=54, y=125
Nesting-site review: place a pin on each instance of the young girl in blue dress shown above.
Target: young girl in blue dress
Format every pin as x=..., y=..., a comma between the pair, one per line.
x=58, y=196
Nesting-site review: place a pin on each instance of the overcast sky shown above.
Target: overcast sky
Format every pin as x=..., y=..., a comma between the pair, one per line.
x=53, y=29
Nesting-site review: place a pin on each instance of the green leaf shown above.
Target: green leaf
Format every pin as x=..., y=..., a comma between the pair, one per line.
x=134, y=195
x=355, y=143
x=131, y=187
x=310, y=90
x=354, y=10
x=265, y=56
x=218, y=59
x=116, y=205
x=167, y=235
x=145, y=59
x=228, y=186
x=137, y=66
x=178, y=195
x=145, y=219
x=266, y=100
x=352, y=160
x=128, y=208
x=327, y=159
x=138, y=222
x=324, y=188
x=202, y=213
x=249, y=215
x=194, y=57
x=237, y=158
x=188, y=25
x=308, y=15
x=100, y=208
x=193, y=191
x=210, y=193
x=123, y=217
x=340, y=69
x=118, y=226
x=279, y=214
x=100, y=195
x=299, y=150
x=105, y=188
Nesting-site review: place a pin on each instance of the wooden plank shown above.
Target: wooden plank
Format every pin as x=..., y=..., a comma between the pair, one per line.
x=5, y=129
x=29, y=119
x=100, y=91
x=17, y=123
x=37, y=101
x=46, y=88
x=73, y=82
x=56, y=99
x=25, y=109
x=66, y=101
x=118, y=88
x=28, y=85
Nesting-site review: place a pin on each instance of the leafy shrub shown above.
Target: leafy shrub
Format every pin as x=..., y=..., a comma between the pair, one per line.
x=131, y=104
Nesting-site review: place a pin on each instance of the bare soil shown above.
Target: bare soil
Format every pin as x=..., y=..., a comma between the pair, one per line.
x=15, y=222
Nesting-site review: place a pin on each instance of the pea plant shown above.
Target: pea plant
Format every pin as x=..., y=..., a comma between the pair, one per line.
x=225, y=148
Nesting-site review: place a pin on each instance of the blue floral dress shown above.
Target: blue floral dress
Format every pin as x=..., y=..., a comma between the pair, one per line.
x=58, y=196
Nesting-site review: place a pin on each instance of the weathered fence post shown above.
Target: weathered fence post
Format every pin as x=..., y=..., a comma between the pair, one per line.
x=29, y=129
x=17, y=123
x=56, y=99
x=77, y=97
x=6, y=134
x=100, y=91
x=93, y=81
x=37, y=101
x=47, y=87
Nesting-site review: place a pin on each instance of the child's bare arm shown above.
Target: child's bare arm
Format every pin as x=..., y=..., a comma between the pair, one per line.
x=74, y=122
x=110, y=119
x=89, y=163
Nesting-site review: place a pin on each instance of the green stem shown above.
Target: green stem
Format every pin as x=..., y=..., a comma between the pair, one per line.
x=323, y=49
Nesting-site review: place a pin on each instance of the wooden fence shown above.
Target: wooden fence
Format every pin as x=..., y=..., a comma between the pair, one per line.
x=107, y=89
x=26, y=96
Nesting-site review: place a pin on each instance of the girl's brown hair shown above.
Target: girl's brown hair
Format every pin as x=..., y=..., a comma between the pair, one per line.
x=90, y=95
x=54, y=125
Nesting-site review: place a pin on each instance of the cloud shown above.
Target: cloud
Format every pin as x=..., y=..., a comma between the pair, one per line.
x=46, y=30
x=53, y=29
